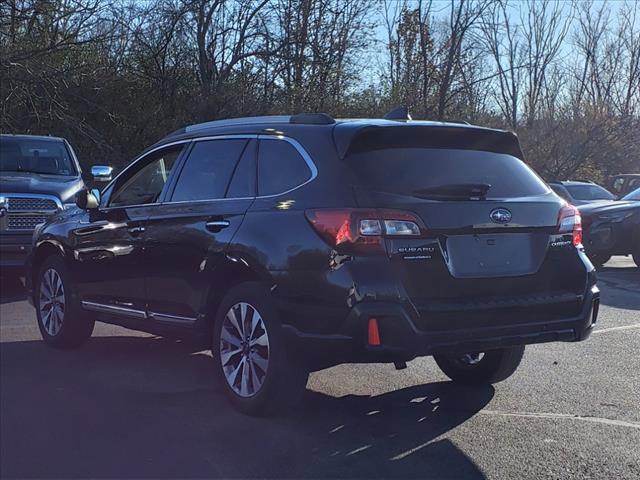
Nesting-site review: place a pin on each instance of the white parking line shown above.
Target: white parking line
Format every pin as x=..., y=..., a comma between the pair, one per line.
x=554, y=416
x=624, y=327
x=564, y=416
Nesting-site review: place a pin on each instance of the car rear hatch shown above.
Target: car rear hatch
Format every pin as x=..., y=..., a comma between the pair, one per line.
x=489, y=238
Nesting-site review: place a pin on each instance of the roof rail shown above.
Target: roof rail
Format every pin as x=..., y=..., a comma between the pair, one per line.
x=312, y=118
x=399, y=113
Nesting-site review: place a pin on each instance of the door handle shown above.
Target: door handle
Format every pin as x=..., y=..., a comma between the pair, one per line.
x=217, y=225
x=135, y=231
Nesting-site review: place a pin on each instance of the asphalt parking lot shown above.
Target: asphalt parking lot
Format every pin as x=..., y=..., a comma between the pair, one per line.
x=132, y=405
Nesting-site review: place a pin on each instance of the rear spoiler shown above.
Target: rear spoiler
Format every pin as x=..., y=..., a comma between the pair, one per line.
x=354, y=138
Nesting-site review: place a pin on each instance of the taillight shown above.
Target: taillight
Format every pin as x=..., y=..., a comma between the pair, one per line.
x=570, y=221
x=362, y=231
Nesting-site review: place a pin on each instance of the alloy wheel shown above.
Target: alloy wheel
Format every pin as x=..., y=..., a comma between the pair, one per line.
x=52, y=302
x=244, y=349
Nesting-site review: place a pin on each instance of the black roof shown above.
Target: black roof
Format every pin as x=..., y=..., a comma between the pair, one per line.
x=345, y=130
x=311, y=119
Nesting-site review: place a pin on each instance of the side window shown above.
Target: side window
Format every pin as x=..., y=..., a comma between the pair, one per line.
x=280, y=167
x=208, y=169
x=145, y=185
x=243, y=182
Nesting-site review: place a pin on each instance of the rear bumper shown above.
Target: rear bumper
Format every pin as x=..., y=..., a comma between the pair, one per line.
x=401, y=340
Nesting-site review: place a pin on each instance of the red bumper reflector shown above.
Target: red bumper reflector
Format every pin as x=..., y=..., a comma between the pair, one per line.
x=374, y=333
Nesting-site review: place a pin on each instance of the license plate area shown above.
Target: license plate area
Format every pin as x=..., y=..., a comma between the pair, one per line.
x=495, y=255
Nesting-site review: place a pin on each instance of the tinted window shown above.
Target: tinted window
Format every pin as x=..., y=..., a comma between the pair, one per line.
x=207, y=171
x=407, y=170
x=146, y=184
x=49, y=157
x=243, y=182
x=589, y=192
x=280, y=167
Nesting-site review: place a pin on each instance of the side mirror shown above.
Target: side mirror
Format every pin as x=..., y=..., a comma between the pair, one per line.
x=88, y=199
x=101, y=173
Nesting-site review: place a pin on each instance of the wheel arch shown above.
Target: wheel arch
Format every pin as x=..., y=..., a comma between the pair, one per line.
x=43, y=250
x=233, y=271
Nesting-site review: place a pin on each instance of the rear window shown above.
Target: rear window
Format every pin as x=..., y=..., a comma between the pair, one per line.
x=589, y=192
x=407, y=170
x=49, y=157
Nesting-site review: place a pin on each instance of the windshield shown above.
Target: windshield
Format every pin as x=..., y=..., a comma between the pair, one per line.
x=49, y=157
x=410, y=170
x=589, y=192
x=635, y=195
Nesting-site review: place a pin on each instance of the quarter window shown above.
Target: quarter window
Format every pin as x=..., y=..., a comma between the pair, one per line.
x=208, y=169
x=146, y=185
x=280, y=167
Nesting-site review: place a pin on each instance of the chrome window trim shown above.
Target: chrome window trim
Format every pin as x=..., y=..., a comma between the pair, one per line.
x=113, y=309
x=303, y=153
x=299, y=148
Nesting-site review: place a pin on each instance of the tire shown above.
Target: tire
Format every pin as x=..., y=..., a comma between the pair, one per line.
x=599, y=259
x=275, y=380
x=492, y=367
x=62, y=322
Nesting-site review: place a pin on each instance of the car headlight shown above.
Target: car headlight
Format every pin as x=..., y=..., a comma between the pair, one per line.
x=615, y=217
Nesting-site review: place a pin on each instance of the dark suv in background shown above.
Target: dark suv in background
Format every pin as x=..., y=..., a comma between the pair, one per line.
x=39, y=177
x=291, y=244
x=581, y=193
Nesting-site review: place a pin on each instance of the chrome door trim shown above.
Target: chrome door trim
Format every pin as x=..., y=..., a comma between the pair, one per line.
x=139, y=314
x=172, y=319
x=113, y=309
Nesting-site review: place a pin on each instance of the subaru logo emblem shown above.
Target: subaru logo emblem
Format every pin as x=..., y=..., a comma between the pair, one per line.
x=500, y=215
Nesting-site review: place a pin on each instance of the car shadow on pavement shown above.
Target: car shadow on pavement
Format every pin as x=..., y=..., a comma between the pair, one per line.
x=620, y=287
x=11, y=289
x=147, y=407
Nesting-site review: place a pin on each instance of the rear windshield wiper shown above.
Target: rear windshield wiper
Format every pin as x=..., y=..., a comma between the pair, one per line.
x=454, y=191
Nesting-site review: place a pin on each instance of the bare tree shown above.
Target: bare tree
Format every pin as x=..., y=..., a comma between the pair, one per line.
x=546, y=24
x=503, y=41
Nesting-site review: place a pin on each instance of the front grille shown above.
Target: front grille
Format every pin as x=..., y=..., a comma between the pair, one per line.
x=23, y=204
x=23, y=212
x=25, y=221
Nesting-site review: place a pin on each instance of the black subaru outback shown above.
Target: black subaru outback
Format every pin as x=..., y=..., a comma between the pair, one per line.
x=291, y=244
